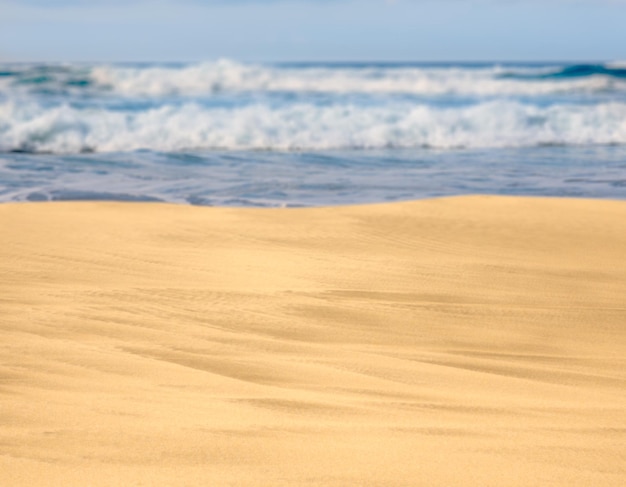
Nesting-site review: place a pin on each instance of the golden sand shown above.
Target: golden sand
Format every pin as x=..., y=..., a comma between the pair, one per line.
x=473, y=341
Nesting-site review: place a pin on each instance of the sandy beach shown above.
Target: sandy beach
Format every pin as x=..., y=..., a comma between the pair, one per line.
x=466, y=341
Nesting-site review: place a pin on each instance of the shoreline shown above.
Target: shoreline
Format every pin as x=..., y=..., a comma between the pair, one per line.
x=474, y=340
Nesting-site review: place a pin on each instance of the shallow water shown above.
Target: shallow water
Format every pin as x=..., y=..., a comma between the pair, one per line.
x=247, y=178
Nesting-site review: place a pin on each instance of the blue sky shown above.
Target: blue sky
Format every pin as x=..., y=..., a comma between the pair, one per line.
x=312, y=30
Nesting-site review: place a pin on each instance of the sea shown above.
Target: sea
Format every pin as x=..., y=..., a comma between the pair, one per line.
x=229, y=133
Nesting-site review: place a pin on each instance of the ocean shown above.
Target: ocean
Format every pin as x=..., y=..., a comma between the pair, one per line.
x=301, y=134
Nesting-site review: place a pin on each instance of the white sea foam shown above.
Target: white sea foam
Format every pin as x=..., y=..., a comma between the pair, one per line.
x=227, y=75
x=616, y=65
x=63, y=129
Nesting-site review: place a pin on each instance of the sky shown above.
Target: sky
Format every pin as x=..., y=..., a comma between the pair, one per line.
x=312, y=30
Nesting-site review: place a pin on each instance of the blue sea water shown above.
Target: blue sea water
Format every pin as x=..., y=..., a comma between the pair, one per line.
x=227, y=133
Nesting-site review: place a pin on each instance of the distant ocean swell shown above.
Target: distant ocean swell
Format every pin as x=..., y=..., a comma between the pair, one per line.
x=229, y=76
x=33, y=127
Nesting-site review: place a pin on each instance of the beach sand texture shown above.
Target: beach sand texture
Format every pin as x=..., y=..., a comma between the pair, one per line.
x=470, y=341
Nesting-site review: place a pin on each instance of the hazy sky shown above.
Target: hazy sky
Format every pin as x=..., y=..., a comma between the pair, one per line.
x=309, y=30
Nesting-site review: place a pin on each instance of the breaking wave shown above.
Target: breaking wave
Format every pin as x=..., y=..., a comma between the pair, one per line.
x=229, y=76
x=576, y=71
x=33, y=127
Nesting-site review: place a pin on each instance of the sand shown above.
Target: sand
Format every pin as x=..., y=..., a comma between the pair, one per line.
x=472, y=341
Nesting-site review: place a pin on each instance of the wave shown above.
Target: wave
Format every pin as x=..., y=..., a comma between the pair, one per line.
x=616, y=64
x=230, y=76
x=608, y=71
x=32, y=127
x=44, y=78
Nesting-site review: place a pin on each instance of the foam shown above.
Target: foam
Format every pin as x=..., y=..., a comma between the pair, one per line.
x=228, y=76
x=64, y=129
x=225, y=75
x=616, y=64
